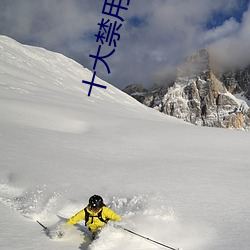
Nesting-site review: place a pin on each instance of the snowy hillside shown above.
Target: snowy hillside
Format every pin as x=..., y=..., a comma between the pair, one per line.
x=179, y=184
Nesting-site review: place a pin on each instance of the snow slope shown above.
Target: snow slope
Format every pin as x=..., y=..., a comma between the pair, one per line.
x=179, y=184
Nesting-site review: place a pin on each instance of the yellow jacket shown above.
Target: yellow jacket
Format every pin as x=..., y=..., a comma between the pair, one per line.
x=94, y=223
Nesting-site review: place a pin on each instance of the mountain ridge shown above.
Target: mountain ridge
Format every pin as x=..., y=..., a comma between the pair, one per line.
x=201, y=95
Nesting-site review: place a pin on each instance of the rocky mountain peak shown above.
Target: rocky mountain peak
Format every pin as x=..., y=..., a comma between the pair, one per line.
x=202, y=97
x=196, y=64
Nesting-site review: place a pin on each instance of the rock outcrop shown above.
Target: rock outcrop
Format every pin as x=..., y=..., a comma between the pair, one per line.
x=201, y=97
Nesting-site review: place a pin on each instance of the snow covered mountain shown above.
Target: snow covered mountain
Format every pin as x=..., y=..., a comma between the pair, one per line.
x=182, y=185
x=202, y=96
x=237, y=81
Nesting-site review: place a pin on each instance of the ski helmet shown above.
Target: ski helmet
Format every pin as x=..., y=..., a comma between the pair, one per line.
x=95, y=202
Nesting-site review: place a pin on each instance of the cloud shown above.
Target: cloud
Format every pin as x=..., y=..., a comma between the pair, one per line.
x=155, y=35
x=48, y=21
x=233, y=49
x=228, y=28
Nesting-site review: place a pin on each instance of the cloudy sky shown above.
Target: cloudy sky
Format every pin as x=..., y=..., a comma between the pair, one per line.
x=154, y=37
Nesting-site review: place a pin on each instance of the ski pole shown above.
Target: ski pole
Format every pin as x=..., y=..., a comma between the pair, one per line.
x=45, y=228
x=146, y=238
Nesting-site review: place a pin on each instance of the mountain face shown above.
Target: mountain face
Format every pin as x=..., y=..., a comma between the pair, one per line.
x=237, y=81
x=200, y=96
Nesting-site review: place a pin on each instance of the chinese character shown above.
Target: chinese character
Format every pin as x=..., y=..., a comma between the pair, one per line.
x=93, y=84
x=97, y=57
x=107, y=31
x=112, y=6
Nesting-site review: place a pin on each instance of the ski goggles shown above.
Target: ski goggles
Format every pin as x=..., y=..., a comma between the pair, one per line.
x=94, y=208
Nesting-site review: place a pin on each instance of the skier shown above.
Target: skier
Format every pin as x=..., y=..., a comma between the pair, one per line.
x=95, y=214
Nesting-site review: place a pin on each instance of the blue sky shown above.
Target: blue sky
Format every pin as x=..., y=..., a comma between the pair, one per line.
x=154, y=38
x=218, y=17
